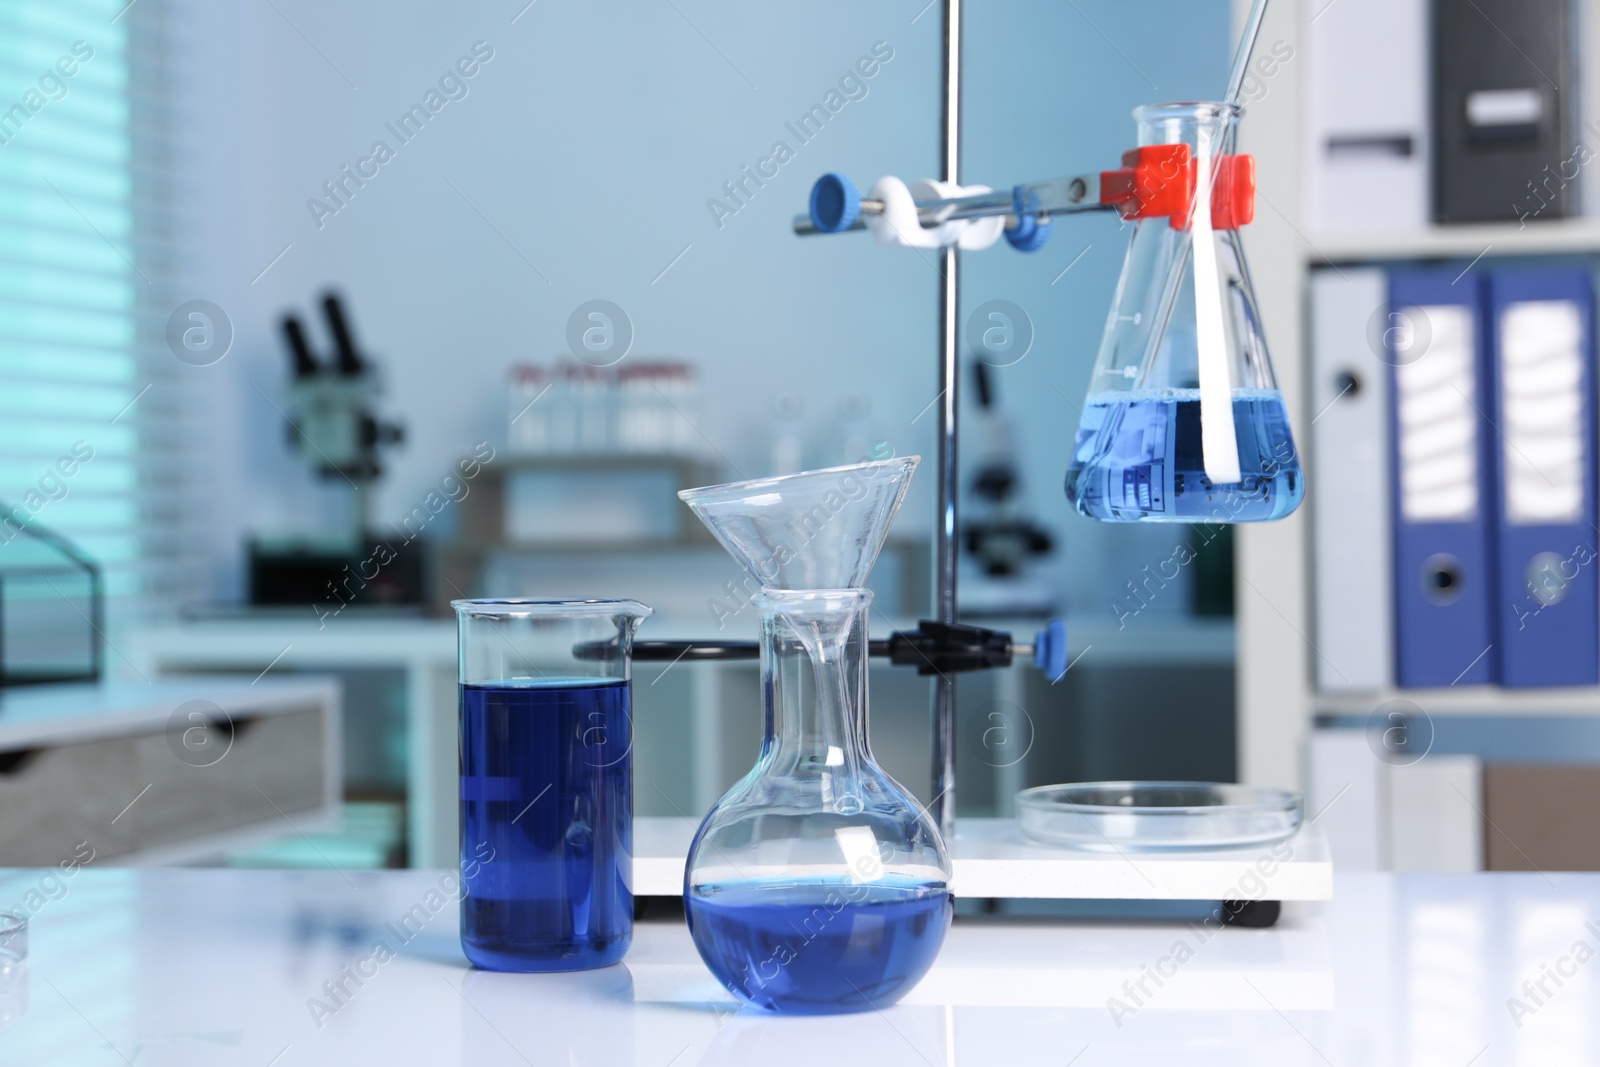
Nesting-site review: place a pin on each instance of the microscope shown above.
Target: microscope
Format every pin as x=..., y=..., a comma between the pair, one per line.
x=335, y=427
x=1000, y=538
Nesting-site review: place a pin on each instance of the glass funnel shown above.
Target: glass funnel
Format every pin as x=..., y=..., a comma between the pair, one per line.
x=1183, y=421
x=817, y=883
x=818, y=529
x=546, y=782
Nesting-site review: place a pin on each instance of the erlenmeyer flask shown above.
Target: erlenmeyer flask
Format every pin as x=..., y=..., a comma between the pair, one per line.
x=817, y=883
x=1183, y=421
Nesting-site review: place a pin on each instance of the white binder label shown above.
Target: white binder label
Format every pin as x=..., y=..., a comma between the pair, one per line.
x=1505, y=107
x=1437, y=408
x=1541, y=370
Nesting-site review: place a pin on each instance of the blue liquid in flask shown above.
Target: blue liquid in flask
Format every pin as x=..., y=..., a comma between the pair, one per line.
x=1137, y=458
x=818, y=948
x=546, y=824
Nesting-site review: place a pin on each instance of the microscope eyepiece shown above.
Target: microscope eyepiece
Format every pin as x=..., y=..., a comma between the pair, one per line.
x=305, y=364
x=347, y=361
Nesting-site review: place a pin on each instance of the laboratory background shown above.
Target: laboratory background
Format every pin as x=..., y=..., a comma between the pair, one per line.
x=467, y=470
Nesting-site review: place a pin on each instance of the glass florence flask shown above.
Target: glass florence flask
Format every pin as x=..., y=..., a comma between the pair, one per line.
x=1184, y=421
x=817, y=883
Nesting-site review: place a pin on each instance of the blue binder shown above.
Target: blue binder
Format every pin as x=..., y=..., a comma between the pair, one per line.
x=1441, y=504
x=1540, y=325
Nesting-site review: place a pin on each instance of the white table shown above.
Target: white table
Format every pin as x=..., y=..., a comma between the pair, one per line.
x=424, y=650
x=180, y=967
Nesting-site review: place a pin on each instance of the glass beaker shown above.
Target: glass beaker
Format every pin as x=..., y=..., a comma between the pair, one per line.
x=817, y=884
x=546, y=749
x=1184, y=421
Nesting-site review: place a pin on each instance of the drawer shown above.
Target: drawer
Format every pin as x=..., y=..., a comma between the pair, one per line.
x=53, y=798
x=275, y=767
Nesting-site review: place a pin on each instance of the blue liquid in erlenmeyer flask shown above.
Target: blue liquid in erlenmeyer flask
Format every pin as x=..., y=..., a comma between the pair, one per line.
x=820, y=948
x=546, y=824
x=1137, y=458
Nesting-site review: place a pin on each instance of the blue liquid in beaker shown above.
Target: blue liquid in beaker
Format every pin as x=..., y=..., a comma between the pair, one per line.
x=820, y=948
x=1137, y=458
x=546, y=824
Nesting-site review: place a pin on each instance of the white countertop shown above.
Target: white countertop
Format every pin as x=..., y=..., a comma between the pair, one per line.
x=177, y=967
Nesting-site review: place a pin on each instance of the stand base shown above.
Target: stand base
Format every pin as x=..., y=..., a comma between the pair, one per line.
x=993, y=859
x=1253, y=914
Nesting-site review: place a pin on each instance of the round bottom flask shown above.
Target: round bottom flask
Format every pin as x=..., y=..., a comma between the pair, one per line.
x=817, y=884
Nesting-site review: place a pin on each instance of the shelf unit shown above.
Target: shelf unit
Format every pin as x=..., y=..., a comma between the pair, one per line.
x=1544, y=237
x=1466, y=700
x=1277, y=701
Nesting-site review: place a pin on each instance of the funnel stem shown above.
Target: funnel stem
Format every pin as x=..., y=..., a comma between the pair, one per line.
x=843, y=747
x=813, y=664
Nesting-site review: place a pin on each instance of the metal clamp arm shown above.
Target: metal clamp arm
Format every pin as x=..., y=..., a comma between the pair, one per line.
x=1154, y=181
x=932, y=648
x=837, y=208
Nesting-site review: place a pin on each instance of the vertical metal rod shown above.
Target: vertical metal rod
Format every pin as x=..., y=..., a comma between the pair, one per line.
x=945, y=544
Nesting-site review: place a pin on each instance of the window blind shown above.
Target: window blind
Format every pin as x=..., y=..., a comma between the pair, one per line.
x=87, y=442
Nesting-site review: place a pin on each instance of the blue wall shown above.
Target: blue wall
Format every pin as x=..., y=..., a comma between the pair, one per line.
x=588, y=147
x=1050, y=88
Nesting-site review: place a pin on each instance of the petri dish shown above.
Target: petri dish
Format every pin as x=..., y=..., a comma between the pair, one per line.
x=1157, y=816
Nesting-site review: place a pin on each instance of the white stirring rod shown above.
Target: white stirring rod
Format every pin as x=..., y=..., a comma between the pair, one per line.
x=1219, y=447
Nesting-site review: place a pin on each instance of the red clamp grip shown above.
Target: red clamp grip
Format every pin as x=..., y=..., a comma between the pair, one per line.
x=1159, y=181
x=1153, y=181
x=1233, y=194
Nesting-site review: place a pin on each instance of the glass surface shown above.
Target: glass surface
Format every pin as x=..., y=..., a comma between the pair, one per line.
x=1113, y=816
x=817, y=883
x=1152, y=441
x=546, y=782
x=13, y=938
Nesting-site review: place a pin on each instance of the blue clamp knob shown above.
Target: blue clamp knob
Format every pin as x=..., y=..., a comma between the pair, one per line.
x=1050, y=650
x=835, y=204
x=1029, y=234
x=1032, y=230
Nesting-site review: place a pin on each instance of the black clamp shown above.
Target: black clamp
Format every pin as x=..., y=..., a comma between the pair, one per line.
x=932, y=648
x=948, y=648
x=693, y=651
